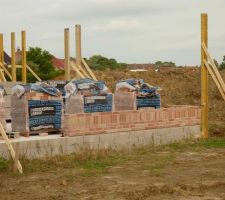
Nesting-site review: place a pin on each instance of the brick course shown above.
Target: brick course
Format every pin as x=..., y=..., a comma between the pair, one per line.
x=95, y=123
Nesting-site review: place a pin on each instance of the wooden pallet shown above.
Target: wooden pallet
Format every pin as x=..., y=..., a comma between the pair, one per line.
x=42, y=132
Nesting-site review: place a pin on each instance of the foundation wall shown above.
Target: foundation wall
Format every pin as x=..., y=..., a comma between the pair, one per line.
x=96, y=123
x=38, y=147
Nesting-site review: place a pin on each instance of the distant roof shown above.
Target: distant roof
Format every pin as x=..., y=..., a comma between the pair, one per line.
x=58, y=63
x=7, y=58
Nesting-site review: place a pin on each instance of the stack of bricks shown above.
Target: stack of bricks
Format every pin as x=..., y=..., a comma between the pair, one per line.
x=20, y=110
x=74, y=104
x=125, y=101
x=2, y=111
x=96, y=123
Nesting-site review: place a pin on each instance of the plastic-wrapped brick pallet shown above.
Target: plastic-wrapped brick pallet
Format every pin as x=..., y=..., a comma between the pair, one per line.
x=153, y=102
x=33, y=110
x=87, y=95
x=145, y=95
x=125, y=101
x=98, y=103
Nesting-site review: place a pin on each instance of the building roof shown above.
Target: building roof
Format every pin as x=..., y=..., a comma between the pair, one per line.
x=7, y=58
x=58, y=63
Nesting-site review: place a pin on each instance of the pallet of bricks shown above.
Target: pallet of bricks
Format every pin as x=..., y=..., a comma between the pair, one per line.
x=2, y=108
x=87, y=96
x=135, y=94
x=36, y=109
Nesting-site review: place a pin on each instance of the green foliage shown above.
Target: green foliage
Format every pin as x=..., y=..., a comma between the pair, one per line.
x=3, y=165
x=165, y=64
x=40, y=62
x=222, y=65
x=98, y=62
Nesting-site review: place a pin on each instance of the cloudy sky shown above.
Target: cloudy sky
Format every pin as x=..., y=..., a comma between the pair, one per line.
x=133, y=31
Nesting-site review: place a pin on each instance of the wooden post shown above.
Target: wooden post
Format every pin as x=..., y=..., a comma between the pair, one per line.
x=204, y=77
x=13, y=57
x=1, y=56
x=24, y=59
x=67, y=54
x=78, y=45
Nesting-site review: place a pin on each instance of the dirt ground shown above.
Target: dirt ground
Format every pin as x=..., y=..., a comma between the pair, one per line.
x=183, y=172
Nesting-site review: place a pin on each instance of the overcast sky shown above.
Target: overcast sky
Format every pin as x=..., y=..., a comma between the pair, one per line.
x=133, y=31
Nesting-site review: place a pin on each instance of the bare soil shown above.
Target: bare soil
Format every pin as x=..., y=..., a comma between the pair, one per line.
x=168, y=173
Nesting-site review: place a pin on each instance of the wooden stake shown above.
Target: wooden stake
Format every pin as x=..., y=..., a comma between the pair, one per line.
x=74, y=67
x=24, y=59
x=67, y=54
x=10, y=148
x=13, y=57
x=89, y=70
x=1, y=49
x=204, y=77
x=215, y=79
x=6, y=71
x=214, y=68
x=33, y=73
x=78, y=45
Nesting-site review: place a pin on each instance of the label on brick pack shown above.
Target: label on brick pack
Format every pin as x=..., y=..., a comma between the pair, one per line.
x=95, y=100
x=42, y=111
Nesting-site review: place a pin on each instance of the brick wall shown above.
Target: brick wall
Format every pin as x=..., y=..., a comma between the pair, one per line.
x=95, y=123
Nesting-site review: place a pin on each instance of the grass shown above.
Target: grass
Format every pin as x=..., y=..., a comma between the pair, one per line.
x=94, y=163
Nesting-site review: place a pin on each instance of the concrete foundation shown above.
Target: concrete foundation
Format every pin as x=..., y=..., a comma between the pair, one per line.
x=37, y=147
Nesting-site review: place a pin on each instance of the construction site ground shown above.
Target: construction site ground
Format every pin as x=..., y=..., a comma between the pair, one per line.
x=189, y=170
x=186, y=171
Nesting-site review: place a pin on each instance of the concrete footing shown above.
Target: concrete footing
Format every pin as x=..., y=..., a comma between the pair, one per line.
x=37, y=147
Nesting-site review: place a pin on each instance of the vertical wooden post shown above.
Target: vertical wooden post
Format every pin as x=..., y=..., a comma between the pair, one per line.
x=204, y=77
x=78, y=45
x=24, y=59
x=1, y=49
x=67, y=54
x=13, y=58
x=1, y=55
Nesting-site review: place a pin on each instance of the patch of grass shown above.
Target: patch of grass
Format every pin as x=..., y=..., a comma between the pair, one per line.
x=88, y=162
x=4, y=165
x=93, y=163
x=195, y=145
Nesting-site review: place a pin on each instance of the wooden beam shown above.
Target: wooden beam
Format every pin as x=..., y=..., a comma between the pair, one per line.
x=217, y=74
x=1, y=56
x=89, y=70
x=1, y=49
x=67, y=54
x=13, y=57
x=215, y=79
x=10, y=148
x=24, y=59
x=33, y=73
x=6, y=71
x=76, y=69
x=204, y=78
x=2, y=76
x=78, y=45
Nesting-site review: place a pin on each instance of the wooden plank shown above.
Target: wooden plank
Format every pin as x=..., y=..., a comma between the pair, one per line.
x=217, y=74
x=85, y=74
x=13, y=56
x=78, y=44
x=1, y=49
x=89, y=70
x=10, y=148
x=204, y=78
x=77, y=71
x=67, y=54
x=24, y=59
x=6, y=71
x=215, y=79
x=2, y=76
x=33, y=73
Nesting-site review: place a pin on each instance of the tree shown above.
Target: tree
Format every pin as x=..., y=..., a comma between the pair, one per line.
x=222, y=65
x=165, y=64
x=99, y=62
x=41, y=63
